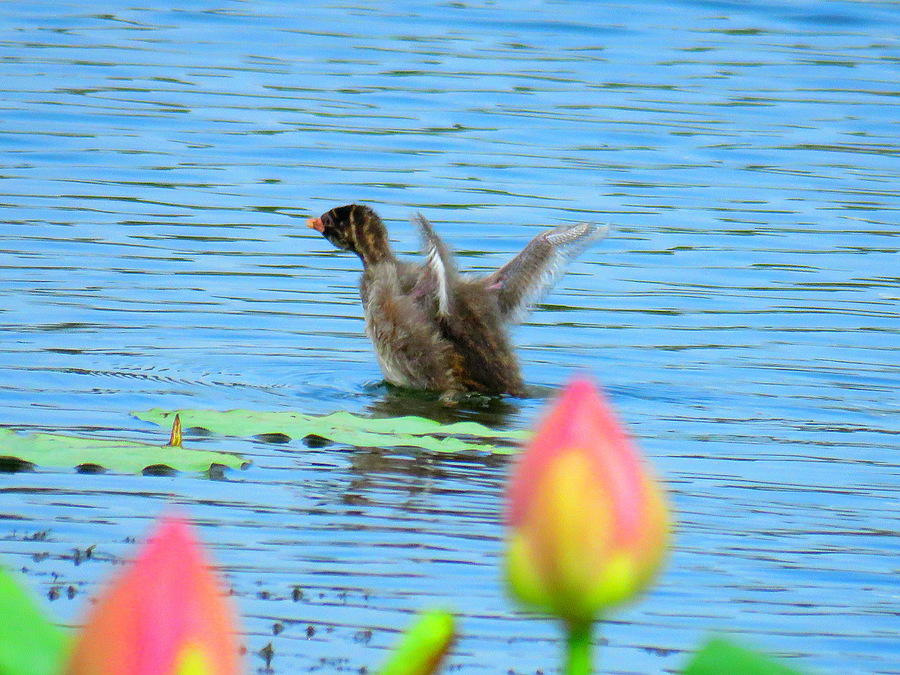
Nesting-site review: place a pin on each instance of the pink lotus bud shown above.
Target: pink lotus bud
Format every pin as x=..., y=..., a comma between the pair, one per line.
x=588, y=525
x=165, y=614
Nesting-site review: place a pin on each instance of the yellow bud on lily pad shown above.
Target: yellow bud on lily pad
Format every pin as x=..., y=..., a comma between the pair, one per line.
x=587, y=523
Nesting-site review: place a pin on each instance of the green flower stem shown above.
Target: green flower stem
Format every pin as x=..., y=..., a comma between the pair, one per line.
x=578, y=658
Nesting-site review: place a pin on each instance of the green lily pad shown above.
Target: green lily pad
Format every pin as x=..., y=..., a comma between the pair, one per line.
x=348, y=429
x=29, y=643
x=56, y=450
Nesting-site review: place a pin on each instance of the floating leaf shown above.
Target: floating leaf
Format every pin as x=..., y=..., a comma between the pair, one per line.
x=29, y=643
x=721, y=657
x=423, y=646
x=347, y=428
x=57, y=450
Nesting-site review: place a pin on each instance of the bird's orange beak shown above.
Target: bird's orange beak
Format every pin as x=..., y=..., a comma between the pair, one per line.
x=316, y=224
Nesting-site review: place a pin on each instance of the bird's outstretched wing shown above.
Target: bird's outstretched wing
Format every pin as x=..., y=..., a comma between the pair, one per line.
x=439, y=272
x=527, y=278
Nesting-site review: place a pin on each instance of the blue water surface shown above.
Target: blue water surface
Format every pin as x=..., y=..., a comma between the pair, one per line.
x=157, y=162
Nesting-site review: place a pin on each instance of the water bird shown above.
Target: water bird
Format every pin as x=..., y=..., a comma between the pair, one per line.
x=434, y=328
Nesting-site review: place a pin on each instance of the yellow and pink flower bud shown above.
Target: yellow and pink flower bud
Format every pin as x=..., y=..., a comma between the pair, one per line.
x=165, y=614
x=587, y=524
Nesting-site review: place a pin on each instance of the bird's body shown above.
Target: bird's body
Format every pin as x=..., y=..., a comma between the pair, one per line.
x=435, y=329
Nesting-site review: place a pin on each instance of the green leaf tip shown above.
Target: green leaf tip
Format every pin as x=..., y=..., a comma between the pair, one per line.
x=722, y=657
x=424, y=645
x=29, y=643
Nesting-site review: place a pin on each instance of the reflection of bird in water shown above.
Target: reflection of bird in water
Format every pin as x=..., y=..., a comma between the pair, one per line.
x=495, y=412
x=436, y=329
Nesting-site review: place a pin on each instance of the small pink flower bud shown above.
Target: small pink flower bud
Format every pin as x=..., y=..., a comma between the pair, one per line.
x=165, y=614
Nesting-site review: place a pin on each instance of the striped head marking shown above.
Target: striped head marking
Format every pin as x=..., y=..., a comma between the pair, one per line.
x=355, y=228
